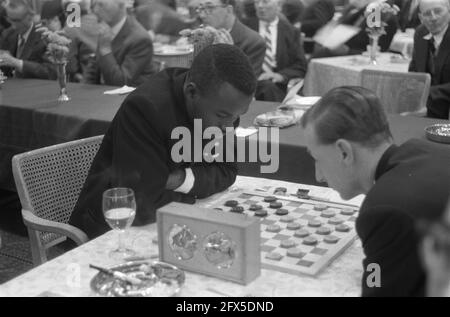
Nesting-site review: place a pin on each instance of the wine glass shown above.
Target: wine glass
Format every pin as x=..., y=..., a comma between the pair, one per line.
x=119, y=210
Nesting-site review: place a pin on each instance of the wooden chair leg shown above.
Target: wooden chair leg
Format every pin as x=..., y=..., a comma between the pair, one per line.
x=37, y=249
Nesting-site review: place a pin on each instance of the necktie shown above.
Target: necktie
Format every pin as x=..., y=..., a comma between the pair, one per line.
x=269, y=60
x=20, y=46
x=431, y=55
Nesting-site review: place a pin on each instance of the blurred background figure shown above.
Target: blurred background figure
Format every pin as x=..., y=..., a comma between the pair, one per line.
x=353, y=14
x=22, y=51
x=436, y=257
x=52, y=15
x=317, y=13
x=430, y=54
x=220, y=14
x=408, y=17
x=162, y=20
x=284, y=57
x=123, y=51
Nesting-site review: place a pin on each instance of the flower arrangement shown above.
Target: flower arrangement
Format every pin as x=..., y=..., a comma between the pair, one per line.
x=58, y=53
x=377, y=14
x=57, y=45
x=204, y=36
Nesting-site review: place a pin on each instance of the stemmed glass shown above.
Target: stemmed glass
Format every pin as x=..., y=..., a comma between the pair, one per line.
x=119, y=210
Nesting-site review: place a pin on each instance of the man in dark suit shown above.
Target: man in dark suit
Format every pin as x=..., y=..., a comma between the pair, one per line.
x=432, y=54
x=124, y=48
x=348, y=135
x=139, y=150
x=284, y=57
x=220, y=15
x=22, y=51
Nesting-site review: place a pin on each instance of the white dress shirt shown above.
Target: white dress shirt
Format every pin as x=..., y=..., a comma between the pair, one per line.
x=273, y=27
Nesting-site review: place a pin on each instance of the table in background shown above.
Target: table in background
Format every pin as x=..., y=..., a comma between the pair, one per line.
x=69, y=274
x=403, y=42
x=31, y=118
x=325, y=74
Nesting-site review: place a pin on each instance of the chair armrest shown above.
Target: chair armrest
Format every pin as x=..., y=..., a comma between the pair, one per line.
x=419, y=113
x=39, y=224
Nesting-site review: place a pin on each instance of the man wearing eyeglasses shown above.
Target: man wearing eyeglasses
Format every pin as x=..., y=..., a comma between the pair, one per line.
x=432, y=54
x=220, y=14
x=22, y=51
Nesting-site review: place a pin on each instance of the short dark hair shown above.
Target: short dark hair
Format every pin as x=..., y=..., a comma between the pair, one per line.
x=220, y=63
x=350, y=113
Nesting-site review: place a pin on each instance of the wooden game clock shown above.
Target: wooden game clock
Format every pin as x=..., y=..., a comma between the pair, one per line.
x=211, y=242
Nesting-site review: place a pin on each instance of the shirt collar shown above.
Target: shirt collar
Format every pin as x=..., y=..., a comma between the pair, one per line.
x=272, y=24
x=116, y=28
x=440, y=36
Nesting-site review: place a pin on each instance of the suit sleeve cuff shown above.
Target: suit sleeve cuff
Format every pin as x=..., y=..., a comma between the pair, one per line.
x=188, y=183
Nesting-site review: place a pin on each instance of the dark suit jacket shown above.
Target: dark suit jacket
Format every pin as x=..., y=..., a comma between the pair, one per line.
x=251, y=43
x=403, y=16
x=292, y=10
x=317, y=15
x=412, y=183
x=291, y=61
x=136, y=153
x=439, y=100
x=130, y=62
x=35, y=62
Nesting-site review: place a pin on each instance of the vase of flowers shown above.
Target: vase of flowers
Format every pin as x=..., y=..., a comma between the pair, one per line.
x=377, y=14
x=58, y=52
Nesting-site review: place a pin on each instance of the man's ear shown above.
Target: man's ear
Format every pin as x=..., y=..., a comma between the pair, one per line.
x=191, y=91
x=346, y=151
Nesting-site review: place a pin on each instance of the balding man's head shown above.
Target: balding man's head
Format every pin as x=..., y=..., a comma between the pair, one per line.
x=434, y=14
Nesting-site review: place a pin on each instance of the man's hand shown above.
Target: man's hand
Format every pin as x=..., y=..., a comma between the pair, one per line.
x=176, y=179
x=6, y=59
x=105, y=39
x=274, y=77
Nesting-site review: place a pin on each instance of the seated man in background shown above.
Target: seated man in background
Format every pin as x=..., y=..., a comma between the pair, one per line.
x=136, y=150
x=124, y=49
x=22, y=50
x=284, y=58
x=432, y=54
x=220, y=15
x=348, y=136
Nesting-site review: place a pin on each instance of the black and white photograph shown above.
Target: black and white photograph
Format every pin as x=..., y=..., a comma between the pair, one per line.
x=224, y=154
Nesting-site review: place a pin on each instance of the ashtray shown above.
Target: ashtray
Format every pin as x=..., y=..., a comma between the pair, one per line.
x=159, y=279
x=439, y=133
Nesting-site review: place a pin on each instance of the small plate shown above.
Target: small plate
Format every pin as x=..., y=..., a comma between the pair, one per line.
x=439, y=133
x=159, y=279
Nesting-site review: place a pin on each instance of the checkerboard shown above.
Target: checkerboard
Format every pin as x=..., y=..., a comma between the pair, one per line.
x=284, y=237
